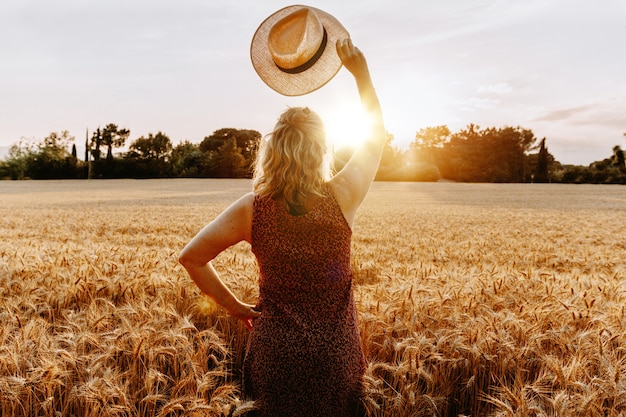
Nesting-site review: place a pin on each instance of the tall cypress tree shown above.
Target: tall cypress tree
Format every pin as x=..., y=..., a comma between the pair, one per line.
x=86, y=145
x=541, y=173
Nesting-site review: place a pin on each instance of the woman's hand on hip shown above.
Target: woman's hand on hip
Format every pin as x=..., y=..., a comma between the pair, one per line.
x=244, y=312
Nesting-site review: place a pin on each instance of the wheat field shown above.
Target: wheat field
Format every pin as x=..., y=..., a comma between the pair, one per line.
x=474, y=300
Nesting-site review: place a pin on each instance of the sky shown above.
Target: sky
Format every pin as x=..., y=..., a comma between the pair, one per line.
x=557, y=67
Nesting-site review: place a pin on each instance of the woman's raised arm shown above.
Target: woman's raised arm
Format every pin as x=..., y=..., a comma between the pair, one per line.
x=352, y=183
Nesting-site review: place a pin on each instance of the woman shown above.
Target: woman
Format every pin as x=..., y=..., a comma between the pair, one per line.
x=304, y=354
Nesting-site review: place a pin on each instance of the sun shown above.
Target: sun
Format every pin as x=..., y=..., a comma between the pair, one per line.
x=346, y=127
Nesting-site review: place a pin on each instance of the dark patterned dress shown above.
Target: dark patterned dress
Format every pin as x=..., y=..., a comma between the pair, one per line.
x=304, y=354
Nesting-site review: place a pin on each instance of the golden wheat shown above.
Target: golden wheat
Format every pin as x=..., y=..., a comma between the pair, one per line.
x=474, y=300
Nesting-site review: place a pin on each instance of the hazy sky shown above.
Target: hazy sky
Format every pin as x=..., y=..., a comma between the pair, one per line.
x=182, y=67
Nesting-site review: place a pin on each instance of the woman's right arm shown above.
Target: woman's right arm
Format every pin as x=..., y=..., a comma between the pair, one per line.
x=232, y=226
x=352, y=183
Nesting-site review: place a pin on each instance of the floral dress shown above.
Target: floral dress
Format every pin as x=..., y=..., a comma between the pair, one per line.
x=304, y=355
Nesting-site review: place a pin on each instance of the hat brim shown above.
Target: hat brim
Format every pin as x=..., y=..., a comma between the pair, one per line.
x=324, y=69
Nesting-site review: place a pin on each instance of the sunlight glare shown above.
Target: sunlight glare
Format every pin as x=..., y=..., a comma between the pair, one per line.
x=346, y=127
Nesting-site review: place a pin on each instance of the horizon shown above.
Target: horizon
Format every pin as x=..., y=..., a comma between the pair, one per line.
x=80, y=150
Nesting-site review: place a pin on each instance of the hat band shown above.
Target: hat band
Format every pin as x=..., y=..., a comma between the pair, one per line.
x=310, y=62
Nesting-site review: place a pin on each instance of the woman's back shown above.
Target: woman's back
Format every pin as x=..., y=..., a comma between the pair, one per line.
x=304, y=356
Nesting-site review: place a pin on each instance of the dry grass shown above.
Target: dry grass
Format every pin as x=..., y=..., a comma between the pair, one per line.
x=481, y=300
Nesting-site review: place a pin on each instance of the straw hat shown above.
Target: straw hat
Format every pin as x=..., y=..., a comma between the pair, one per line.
x=294, y=50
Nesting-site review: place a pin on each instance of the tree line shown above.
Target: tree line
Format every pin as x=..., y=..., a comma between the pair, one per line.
x=473, y=154
x=226, y=153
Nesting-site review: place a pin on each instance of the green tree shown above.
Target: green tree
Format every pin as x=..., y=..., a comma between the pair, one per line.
x=154, y=147
x=49, y=158
x=15, y=166
x=574, y=174
x=229, y=162
x=487, y=155
x=149, y=156
x=431, y=137
x=111, y=137
x=114, y=137
x=87, y=147
x=424, y=153
x=186, y=159
x=96, y=142
x=543, y=164
x=512, y=145
x=247, y=142
x=618, y=158
x=461, y=156
x=52, y=158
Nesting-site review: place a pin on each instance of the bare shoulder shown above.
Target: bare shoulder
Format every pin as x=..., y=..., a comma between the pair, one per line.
x=241, y=207
x=237, y=218
x=245, y=202
x=244, y=206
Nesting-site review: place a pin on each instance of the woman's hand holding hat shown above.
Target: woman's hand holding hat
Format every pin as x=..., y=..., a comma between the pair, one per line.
x=352, y=58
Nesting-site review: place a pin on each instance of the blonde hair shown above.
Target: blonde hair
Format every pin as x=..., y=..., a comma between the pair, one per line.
x=293, y=161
